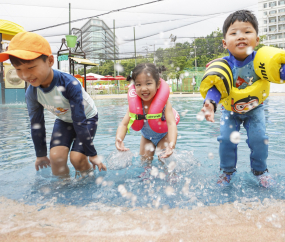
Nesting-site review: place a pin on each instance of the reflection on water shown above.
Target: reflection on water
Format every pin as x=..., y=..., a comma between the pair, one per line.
x=186, y=180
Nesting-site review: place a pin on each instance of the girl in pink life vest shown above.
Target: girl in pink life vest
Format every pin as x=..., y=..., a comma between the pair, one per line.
x=144, y=114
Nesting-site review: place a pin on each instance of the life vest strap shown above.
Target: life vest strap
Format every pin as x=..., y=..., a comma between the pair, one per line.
x=134, y=117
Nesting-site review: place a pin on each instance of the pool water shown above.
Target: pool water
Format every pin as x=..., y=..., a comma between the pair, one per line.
x=185, y=180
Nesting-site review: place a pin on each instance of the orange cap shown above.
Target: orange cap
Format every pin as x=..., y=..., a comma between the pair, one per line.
x=26, y=46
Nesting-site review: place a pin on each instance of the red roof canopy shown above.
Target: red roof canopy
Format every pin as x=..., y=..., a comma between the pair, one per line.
x=120, y=78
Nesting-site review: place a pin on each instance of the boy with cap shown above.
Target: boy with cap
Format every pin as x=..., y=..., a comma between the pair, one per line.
x=62, y=95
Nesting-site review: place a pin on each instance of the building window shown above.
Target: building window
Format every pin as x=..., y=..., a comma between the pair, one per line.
x=272, y=4
x=282, y=2
x=264, y=13
x=265, y=29
x=265, y=21
x=272, y=28
x=281, y=18
x=272, y=12
x=272, y=36
x=282, y=10
x=272, y=20
x=281, y=27
x=265, y=5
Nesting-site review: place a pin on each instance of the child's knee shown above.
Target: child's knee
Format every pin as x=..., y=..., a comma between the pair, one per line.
x=80, y=162
x=58, y=159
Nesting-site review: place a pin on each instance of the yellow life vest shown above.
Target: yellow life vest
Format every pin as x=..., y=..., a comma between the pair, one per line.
x=267, y=64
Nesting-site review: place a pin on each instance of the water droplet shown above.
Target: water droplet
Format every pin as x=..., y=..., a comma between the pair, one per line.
x=154, y=171
x=57, y=99
x=36, y=126
x=184, y=113
x=122, y=190
x=119, y=67
x=99, y=180
x=200, y=116
x=149, y=147
x=171, y=166
x=266, y=141
x=211, y=155
x=249, y=50
x=235, y=137
x=161, y=175
x=169, y=191
x=56, y=142
x=61, y=88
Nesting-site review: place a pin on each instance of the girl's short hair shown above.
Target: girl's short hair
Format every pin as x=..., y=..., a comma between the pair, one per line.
x=148, y=69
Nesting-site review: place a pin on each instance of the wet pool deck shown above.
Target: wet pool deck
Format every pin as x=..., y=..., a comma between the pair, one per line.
x=117, y=96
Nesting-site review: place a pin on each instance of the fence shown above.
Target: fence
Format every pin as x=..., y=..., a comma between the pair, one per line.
x=187, y=80
x=111, y=87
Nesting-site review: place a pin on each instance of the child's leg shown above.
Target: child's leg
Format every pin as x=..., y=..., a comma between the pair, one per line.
x=228, y=151
x=257, y=140
x=79, y=161
x=58, y=160
x=77, y=155
x=163, y=143
x=61, y=140
x=147, y=149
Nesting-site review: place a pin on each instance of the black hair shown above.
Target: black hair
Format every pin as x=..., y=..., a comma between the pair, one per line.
x=241, y=16
x=18, y=61
x=148, y=69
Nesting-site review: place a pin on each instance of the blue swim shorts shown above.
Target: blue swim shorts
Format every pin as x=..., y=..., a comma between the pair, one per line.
x=63, y=134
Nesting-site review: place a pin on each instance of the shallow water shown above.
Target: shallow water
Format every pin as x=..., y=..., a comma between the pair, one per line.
x=191, y=183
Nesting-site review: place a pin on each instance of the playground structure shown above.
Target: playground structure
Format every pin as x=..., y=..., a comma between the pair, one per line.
x=12, y=87
x=70, y=50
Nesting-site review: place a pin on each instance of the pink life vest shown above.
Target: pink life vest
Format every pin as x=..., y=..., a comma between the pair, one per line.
x=154, y=112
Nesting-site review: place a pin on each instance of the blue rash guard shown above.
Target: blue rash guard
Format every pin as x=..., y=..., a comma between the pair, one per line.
x=66, y=99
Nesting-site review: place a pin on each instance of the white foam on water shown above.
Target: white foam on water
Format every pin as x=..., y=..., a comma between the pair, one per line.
x=118, y=160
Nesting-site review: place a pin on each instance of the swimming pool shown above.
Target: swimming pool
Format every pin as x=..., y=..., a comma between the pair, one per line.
x=191, y=184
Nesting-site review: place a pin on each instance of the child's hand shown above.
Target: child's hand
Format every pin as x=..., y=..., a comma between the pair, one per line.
x=208, y=110
x=168, y=152
x=42, y=162
x=120, y=145
x=96, y=161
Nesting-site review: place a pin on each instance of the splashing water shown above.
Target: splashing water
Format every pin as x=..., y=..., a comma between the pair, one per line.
x=189, y=176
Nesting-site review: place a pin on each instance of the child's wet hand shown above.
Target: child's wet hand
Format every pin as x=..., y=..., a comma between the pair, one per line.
x=168, y=151
x=42, y=162
x=120, y=145
x=96, y=161
x=208, y=110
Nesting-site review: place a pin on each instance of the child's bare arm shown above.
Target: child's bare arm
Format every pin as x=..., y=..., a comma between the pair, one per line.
x=121, y=133
x=208, y=110
x=172, y=130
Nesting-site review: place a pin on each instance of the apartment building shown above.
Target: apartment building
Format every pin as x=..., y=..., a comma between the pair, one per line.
x=271, y=19
x=98, y=41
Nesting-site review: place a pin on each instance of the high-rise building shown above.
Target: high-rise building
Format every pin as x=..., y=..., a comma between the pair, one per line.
x=98, y=41
x=271, y=22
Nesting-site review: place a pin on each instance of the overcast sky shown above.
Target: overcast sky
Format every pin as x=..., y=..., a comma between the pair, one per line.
x=182, y=18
